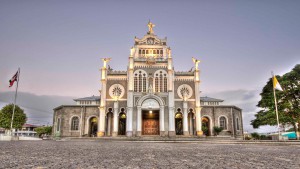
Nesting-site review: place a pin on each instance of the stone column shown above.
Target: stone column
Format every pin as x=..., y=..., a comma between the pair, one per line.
x=197, y=100
x=171, y=122
x=101, y=119
x=101, y=122
x=139, y=121
x=162, y=120
x=129, y=122
x=185, y=119
x=130, y=86
x=198, y=122
x=116, y=119
x=81, y=122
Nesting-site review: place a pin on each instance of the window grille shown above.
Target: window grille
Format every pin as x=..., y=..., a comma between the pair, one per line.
x=75, y=123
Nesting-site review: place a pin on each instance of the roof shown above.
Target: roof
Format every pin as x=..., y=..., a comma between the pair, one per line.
x=209, y=99
x=221, y=106
x=29, y=125
x=92, y=98
x=74, y=105
x=97, y=98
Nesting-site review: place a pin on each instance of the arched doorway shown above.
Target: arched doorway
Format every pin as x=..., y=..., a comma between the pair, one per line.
x=206, y=126
x=93, y=127
x=150, y=117
x=191, y=122
x=109, y=122
x=178, y=122
x=122, y=122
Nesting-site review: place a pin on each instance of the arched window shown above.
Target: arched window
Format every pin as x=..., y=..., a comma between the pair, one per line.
x=140, y=81
x=144, y=82
x=237, y=124
x=165, y=84
x=223, y=123
x=135, y=83
x=75, y=123
x=161, y=81
x=156, y=84
x=58, y=124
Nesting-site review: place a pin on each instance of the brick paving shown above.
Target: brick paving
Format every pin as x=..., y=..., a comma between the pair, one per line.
x=112, y=154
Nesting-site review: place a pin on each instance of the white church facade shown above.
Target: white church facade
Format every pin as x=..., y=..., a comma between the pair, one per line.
x=149, y=99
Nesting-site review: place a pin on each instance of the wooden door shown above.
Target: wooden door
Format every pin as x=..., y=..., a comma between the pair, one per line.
x=150, y=127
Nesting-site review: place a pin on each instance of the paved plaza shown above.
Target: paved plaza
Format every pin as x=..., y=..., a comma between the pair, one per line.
x=115, y=154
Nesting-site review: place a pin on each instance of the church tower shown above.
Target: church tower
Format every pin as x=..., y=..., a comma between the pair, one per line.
x=150, y=98
x=154, y=98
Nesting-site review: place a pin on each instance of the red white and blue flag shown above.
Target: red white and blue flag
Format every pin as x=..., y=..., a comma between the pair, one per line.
x=13, y=79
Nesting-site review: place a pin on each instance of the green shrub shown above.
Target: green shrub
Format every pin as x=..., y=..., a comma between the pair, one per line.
x=217, y=130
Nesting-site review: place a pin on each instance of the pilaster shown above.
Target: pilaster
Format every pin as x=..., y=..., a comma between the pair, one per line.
x=139, y=121
x=116, y=119
x=185, y=119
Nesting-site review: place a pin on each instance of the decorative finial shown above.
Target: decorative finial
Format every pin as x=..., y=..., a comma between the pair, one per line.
x=150, y=26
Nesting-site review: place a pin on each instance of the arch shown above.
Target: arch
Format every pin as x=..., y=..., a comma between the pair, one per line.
x=191, y=122
x=109, y=121
x=122, y=111
x=75, y=123
x=122, y=122
x=178, y=122
x=92, y=126
x=208, y=124
x=150, y=96
x=226, y=122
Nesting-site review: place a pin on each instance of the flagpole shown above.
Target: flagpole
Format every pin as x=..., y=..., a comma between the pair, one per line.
x=276, y=106
x=16, y=94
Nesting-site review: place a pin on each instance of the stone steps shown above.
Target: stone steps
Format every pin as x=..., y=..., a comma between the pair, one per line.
x=151, y=138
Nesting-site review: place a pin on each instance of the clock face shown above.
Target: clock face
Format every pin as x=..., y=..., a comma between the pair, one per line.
x=150, y=41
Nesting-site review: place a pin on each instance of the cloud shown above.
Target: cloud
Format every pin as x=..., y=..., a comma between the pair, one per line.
x=39, y=109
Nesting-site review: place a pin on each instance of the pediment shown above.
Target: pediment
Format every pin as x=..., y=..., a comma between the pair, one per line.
x=150, y=40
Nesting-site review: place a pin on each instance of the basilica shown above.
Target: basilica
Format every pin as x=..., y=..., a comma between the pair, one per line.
x=150, y=98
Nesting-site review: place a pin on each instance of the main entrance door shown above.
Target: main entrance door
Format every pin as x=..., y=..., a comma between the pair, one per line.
x=150, y=122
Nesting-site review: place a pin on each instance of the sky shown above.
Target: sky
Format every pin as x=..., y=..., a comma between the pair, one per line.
x=59, y=44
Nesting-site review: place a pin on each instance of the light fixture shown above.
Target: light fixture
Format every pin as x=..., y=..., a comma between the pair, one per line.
x=150, y=111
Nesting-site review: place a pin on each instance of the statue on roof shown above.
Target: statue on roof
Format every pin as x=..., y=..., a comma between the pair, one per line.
x=105, y=61
x=150, y=26
x=196, y=62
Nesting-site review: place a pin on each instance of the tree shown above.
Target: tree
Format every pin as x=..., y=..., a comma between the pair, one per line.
x=5, y=117
x=43, y=130
x=255, y=136
x=217, y=130
x=288, y=102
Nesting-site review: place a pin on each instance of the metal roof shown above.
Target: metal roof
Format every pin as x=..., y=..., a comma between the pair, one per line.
x=97, y=98
x=92, y=98
x=209, y=99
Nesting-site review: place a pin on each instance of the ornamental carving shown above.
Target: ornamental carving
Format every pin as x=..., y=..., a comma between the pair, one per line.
x=116, y=91
x=185, y=91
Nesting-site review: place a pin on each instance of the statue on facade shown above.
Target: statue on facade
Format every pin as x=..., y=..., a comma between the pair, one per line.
x=150, y=89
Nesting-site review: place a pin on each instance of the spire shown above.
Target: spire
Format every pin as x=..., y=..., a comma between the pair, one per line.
x=150, y=27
